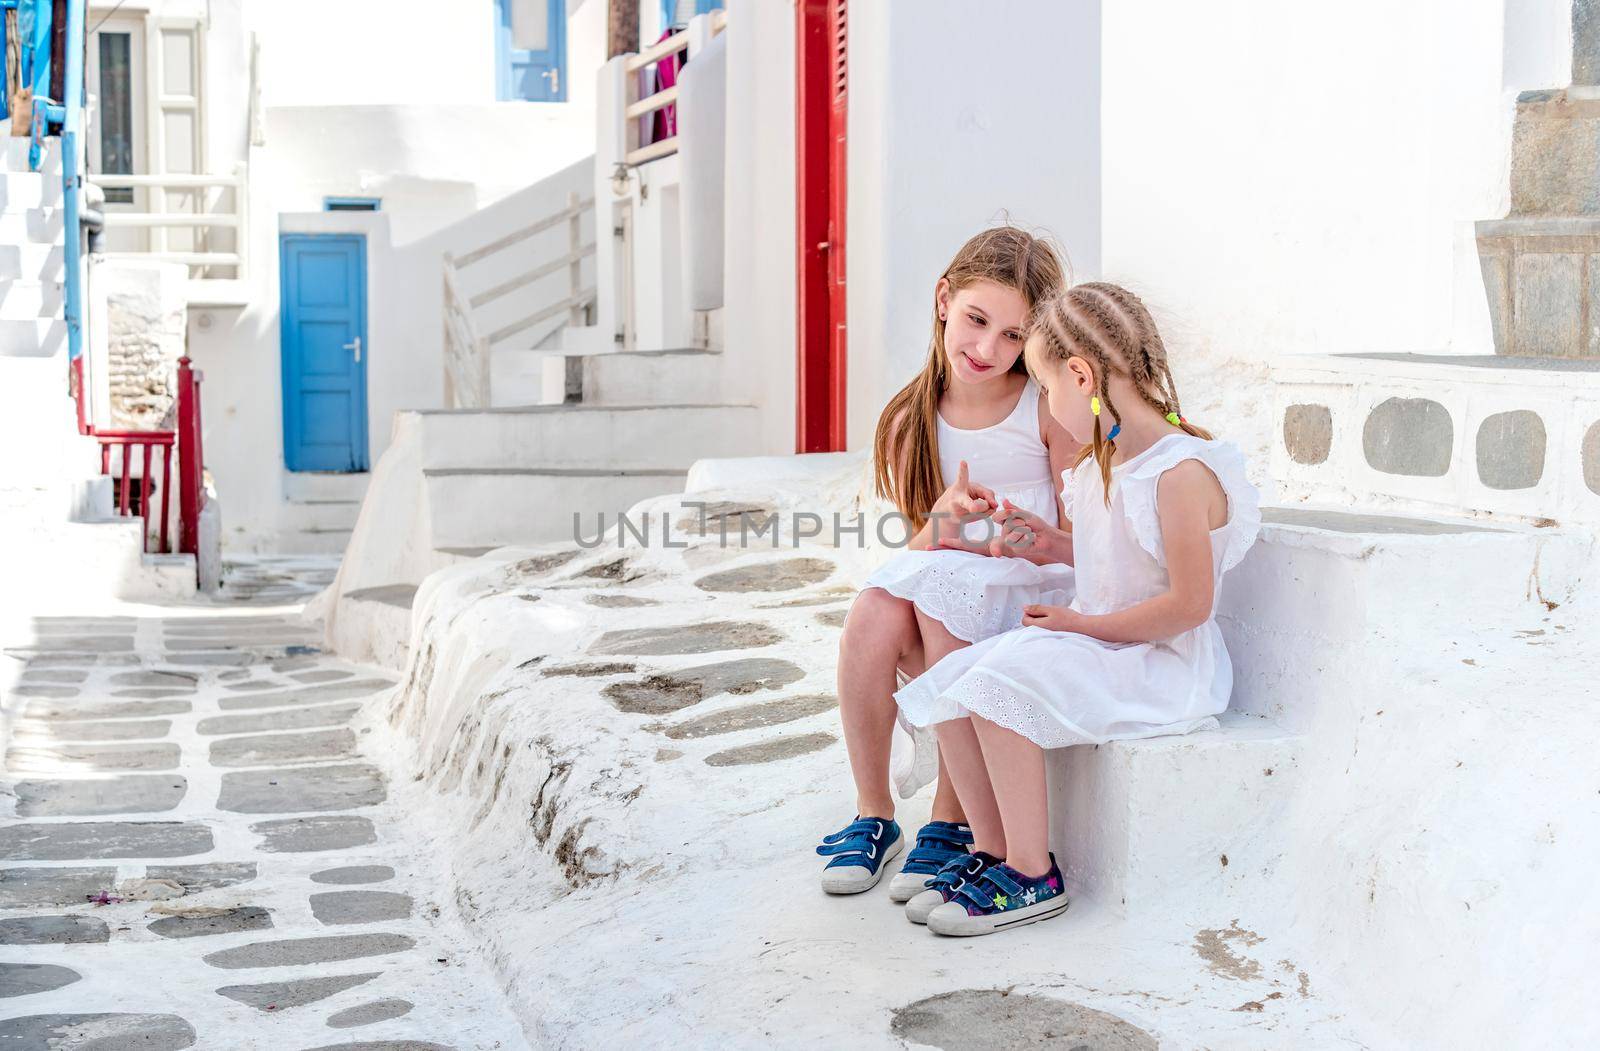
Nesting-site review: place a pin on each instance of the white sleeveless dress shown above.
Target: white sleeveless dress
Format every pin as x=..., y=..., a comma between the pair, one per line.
x=978, y=596
x=1060, y=688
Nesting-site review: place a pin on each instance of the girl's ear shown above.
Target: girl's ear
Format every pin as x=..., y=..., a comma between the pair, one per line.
x=941, y=297
x=1081, y=372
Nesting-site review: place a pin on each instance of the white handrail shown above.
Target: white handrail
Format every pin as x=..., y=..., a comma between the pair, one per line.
x=467, y=374
x=636, y=108
x=160, y=221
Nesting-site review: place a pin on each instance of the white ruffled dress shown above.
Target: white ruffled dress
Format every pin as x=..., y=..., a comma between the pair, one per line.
x=1061, y=688
x=978, y=596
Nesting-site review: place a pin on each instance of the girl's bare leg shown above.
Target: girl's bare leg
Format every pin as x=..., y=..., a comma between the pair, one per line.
x=937, y=642
x=962, y=757
x=880, y=634
x=1016, y=775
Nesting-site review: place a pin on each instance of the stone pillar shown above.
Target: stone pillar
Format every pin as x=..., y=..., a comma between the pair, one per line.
x=146, y=305
x=1586, y=42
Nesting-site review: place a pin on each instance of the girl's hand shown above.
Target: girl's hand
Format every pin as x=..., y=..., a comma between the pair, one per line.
x=1053, y=618
x=1023, y=534
x=964, y=501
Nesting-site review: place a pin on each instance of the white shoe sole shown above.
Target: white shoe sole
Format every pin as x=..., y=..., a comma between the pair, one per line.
x=920, y=907
x=853, y=879
x=907, y=885
x=951, y=918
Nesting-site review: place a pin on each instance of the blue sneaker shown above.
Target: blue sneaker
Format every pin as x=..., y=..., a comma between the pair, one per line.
x=943, y=886
x=938, y=844
x=860, y=850
x=998, y=899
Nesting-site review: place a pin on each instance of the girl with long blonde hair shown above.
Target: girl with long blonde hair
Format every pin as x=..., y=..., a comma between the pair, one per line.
x=967, y=434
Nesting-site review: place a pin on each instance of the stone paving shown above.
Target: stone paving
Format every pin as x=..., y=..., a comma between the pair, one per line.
x=201, y=854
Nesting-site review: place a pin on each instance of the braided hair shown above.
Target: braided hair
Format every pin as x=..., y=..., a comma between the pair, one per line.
x=1112, y=330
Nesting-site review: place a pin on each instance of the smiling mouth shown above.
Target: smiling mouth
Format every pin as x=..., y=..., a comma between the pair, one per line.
x=977, y=366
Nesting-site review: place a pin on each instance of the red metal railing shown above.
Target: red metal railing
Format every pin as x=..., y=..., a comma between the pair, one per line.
x=191, y=458
x=124, y=444
x=137, y=492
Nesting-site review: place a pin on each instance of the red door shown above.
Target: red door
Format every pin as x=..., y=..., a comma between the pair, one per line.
x=821, y=94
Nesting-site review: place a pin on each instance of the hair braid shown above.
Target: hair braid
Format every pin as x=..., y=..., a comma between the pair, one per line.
x=1114, y=332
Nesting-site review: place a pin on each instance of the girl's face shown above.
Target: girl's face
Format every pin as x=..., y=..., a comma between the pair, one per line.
x=1068, y=385
x=982, y=329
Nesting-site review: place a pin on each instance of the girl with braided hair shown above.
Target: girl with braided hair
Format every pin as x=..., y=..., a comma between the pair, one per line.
x=968, y=432
x=1160, y=512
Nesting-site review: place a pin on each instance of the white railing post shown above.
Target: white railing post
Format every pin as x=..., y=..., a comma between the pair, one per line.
x=241, y=236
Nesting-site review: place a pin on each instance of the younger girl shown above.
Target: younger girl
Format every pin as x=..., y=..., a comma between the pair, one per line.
x=1159, y=513
x=968, y=431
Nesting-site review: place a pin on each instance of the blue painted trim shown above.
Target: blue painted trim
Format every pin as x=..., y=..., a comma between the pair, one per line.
x=71, y=184
x=352, y=204
x=360, y=459
x=555, y=56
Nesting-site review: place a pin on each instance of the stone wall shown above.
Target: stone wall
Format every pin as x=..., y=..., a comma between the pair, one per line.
x=145, y=315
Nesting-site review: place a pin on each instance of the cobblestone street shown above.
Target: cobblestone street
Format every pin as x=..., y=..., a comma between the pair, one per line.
x=204, y=854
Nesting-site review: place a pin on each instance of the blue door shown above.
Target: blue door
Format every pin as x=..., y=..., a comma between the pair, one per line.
x=539, y=73
x=324, y=330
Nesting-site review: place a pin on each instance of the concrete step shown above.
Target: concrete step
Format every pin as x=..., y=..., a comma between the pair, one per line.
x=32, y=337
x=312, y=541
x=325, y=486
x=21, y=299
x=20, y=191
x=616, y=437
x=374, y=625
x=33, y=262
x=1555, y=153
x=38, y=225
x=1451, y=435
x=488, y=507
x=653, y=377
x=1534, y=274
x=1174, y=820
x=1322, y=581
x=322, y=516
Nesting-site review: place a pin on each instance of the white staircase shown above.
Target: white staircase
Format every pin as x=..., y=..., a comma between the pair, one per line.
x=321, y=509
x=58, y=530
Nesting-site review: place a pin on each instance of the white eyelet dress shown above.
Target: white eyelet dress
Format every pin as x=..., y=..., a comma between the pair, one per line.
x=1060, y=688
x=978, y=596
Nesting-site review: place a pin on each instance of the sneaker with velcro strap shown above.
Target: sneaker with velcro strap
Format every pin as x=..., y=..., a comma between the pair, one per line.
x=860, y=851
x=998, y=899
x=938, y=844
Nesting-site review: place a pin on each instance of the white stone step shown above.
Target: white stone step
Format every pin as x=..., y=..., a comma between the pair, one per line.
x=32, y=337
x=653, y=377
x=1172, y=820
x=21, y=298
x=653, y=437
x=1453, y=435
x=38, y=225
x=1321, y=582
x=21, y=191
x=324, y=486
x=33, y=262
x=322, y=516
x=488, y=507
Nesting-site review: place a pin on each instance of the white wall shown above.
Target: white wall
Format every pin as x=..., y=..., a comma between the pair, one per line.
x=354, y=52
x=759, y=275
x=958, y=119
x=1293, y=178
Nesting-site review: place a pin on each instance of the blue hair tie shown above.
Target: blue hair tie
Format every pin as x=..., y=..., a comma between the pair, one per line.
x=1116, y=429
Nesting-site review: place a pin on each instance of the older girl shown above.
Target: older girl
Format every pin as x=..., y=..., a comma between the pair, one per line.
x=965, y=434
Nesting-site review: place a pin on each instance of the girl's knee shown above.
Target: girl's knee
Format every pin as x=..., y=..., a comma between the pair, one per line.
x=875, y=617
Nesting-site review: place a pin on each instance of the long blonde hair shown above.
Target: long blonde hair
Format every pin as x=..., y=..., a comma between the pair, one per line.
x=1112, y=329
x=905, y=449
